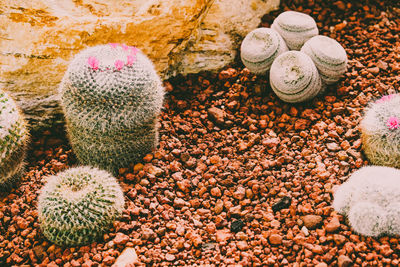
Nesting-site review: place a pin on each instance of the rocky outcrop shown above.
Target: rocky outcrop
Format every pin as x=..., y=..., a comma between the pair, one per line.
x=38, y=37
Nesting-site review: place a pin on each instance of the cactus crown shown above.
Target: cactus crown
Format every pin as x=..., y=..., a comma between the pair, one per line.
x=78, y=205
x=13, y=141
x=259, y=49
x=371, y=200
x=380, y=131
x=294, y=77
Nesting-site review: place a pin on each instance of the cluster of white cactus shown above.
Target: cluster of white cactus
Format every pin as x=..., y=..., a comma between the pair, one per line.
x=13, y=141
x=78, y=205
x=371, y=201
x=319, y=56
x=380, y=131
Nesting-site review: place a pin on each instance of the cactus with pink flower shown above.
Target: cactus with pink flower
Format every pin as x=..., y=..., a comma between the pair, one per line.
x=111, y=96
x=380, y=131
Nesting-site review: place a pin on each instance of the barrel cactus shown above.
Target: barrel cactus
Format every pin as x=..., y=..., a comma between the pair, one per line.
x=111, y=96
x=13, y=141
x=295, y=28
x=329, y=57
x=259, y=49
x=371, y=201
x=77, y=206
x=380, y=131
x=294, y=77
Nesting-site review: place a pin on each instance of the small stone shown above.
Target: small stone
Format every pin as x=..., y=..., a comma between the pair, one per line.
x=216, y=192
x=283, y=203
x=179, y=203
x=333, y=147
x=275, y=239
x=121, y=239
x=321, y=264
x=216, y=114
x=374, y=70
x=219, y=206
x=240, y=193
x=344, y=261
x=108, y=260
x=237, y=226
x=333, y=225
x=305, y=231
x=311, y=221
x=222, y=235
x=169, y=257
x=242, y=245
x=127, y=258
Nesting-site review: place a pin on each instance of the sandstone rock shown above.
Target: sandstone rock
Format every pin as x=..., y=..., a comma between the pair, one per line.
x=311, y=221
x=38, y=38
x=127, y=258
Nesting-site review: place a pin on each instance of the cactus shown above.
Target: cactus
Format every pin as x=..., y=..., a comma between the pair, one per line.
x=259, y=49
x=380, y=131
x=295, y=28
x=13, y=141
x=294, y=77
x=78, y=205
x=371, y=201
x=111, y=97
x=329, y=57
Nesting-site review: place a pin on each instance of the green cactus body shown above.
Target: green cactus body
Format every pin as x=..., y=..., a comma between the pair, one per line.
x=329, y=57
x=295, y=28
x=78, y=205
x=294, y=77
x=13, y=141
x=111, y=96
x=370, y=199
x=259, y=49
x=380, y=131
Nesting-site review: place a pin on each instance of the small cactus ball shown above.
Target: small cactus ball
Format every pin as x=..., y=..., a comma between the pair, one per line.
x=370, y=199
x=13, y=142
x=111, y=96
x=79, y=205
x=295, y=28
x=380, y=131
x=259, y=49
x=294, y=77
x=329, y=57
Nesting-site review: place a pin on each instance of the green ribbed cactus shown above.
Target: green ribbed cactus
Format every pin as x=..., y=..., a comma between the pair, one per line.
x=371, y=201
x=13, y=141
x=294, y=77
x=295, y=28
x=79, y=205
x=380, y=131
x=329, y=57
x=259, y=49
x=111, y=97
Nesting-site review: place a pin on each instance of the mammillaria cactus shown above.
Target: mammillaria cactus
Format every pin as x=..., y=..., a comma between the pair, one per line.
x=329, y=57
x=111, y=96
x=371, y=201
x=294, y=77
x=13, y=141
x=78, y=205
x=380, y=131
x=295, y=28
x=259, y=49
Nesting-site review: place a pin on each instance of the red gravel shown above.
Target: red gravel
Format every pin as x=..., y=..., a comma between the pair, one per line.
x=229, y=151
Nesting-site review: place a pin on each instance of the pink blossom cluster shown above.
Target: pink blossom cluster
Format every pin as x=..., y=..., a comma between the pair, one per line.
x=93, y=62
x=385, y=98
x=393, y=123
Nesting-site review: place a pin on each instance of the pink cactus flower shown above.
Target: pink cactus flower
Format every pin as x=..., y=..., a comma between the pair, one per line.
x=393, y=123
x=134, y=50
x=130, y=60
x=385, y=98
x=114, y=45
x=126, y=47
x=93, y=62
x=119, y=64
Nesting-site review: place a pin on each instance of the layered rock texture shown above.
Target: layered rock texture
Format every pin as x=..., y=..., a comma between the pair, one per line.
x=38, y=38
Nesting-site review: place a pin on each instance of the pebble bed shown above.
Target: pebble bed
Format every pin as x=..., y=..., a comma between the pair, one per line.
x=239, y=177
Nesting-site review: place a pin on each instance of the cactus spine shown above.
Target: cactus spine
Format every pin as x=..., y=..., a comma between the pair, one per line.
x=380, y=131
x=13, y=141
x=259, y=49
x=371, y=201
x=78, y=205
x=295, y=28
x=294, y=77
x=111, y=96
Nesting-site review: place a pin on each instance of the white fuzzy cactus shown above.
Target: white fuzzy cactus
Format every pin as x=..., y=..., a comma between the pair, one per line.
x=380, y=131
x=329, y=57
x=294, y=77
x=295, y=28
x=371, y=201
x=259, y=49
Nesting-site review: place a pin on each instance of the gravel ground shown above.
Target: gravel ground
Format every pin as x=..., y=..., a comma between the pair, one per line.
x=239, y=177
